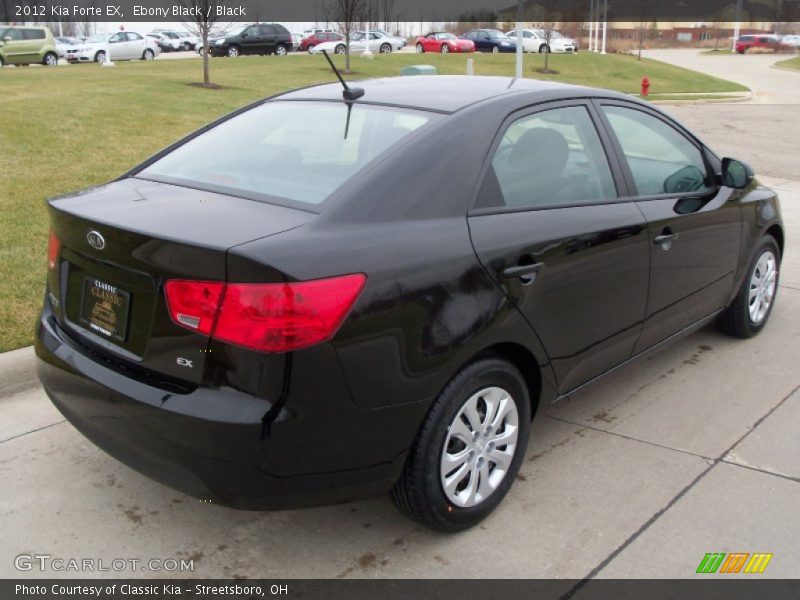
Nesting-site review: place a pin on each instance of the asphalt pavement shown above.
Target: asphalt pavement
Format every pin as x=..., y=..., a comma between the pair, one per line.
x=691, y=451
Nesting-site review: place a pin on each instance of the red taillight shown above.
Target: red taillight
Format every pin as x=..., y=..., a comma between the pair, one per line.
x=194, y=304
x=271, y=317
x=53, y=246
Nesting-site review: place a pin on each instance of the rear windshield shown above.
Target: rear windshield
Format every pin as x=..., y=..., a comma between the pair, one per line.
x=287, y=152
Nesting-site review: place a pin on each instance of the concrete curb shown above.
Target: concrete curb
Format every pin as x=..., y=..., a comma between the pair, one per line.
x=17, y=371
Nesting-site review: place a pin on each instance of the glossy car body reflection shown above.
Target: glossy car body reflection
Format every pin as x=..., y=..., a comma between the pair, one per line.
x=334, y=421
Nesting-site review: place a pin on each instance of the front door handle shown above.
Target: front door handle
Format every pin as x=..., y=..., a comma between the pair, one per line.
x=525, y=273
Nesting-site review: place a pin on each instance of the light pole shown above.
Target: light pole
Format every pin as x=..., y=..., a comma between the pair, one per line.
x=518, y=66
x=605, y=24
x=736, y=25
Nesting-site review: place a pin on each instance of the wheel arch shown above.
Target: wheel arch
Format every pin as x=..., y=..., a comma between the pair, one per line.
x=524, y=360
x=776, y=231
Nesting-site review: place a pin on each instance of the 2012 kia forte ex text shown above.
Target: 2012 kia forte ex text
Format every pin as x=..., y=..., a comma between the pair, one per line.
x=330, y=295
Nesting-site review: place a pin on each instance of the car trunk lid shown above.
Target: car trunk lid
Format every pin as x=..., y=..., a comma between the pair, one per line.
x=122, y=241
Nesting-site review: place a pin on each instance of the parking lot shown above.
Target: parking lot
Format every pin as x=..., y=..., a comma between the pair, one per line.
x=691, y=451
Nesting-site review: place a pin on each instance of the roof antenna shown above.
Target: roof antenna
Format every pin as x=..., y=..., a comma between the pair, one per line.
x=349, y=93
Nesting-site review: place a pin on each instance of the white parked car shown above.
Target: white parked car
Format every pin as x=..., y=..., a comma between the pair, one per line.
x=64, y=43
x=791, y=40
x=535, y=40
x=123, y=45
x=359, y=42
x=167, y=44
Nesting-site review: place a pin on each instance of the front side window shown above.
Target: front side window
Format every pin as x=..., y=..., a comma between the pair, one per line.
x=287, y=152
x=552, y=158
x=661, y=159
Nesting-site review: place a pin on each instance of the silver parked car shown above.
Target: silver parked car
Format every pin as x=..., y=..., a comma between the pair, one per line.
x=123, y=45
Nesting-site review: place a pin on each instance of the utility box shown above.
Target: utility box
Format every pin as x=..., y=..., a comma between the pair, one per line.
x=418, y=70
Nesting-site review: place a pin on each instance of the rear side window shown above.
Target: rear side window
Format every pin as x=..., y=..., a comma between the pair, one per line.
x=12, y=34
x=33, y=34
x=661, y=159
x=551, y=158
x=287, y=152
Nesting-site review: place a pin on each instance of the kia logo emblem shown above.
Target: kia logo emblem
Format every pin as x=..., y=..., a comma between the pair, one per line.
x=95, y=240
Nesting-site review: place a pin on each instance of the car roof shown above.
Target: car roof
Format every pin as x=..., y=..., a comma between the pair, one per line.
x=443, y=93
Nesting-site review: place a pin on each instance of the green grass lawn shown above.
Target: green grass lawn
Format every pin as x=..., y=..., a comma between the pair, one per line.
x=70, y=127
x=792, y=63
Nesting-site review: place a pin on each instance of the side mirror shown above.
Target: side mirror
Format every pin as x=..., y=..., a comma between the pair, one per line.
x=736, y=174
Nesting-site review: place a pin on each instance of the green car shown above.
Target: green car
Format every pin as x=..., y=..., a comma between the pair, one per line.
x=25, y=45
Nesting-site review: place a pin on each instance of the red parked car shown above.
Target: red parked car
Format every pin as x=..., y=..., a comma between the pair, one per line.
x=318, y=38
x=443, y=42
x=745, y=42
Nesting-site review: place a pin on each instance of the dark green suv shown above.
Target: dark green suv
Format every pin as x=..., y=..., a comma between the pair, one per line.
x=24, y=45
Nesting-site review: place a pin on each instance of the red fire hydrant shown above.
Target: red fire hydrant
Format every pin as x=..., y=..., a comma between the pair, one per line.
x=645, y=85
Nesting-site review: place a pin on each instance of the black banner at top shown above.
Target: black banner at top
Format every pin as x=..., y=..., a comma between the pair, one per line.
x=440, y=11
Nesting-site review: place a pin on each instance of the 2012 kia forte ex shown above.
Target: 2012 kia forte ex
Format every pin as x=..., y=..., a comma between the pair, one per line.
x=330, y=295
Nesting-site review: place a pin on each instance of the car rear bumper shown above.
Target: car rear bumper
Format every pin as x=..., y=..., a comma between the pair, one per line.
x=219, y=444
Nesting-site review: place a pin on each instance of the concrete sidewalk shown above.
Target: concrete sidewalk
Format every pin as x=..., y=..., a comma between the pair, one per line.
x=692, y=451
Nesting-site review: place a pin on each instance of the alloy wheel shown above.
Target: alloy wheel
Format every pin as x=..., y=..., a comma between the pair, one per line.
x=479, y=447
x=762, y=287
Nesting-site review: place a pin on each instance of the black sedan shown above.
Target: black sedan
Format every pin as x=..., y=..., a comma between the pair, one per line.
x=320, y=298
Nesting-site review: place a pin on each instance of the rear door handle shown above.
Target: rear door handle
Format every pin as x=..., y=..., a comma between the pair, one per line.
x=664, y=237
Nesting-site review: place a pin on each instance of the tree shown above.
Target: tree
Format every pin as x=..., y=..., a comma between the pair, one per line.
x=344, y=13
x=204, y=16
x=548, y=21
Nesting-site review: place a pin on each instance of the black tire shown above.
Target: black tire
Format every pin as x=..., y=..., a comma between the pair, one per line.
x=385, y=49
x=148, y=54
x=100, y=56
x=340, y=49
x=2, y=62
x=280, y=50
x=544, y=49
x=736, y=319
x=310, y=48
x=232, y=51
x=50, y=59
x=419, y=493
x=420, y=49
x=445, y=49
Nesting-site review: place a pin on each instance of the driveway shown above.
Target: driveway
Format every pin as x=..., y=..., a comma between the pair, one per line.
x=764, y=131
x=694, y=450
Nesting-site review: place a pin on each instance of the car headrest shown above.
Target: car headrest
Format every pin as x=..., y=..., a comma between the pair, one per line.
x=541, y=148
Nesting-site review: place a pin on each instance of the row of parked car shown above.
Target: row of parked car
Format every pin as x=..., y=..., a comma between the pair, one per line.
x=25, y=45
x=494, y=40
x=274, y=38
